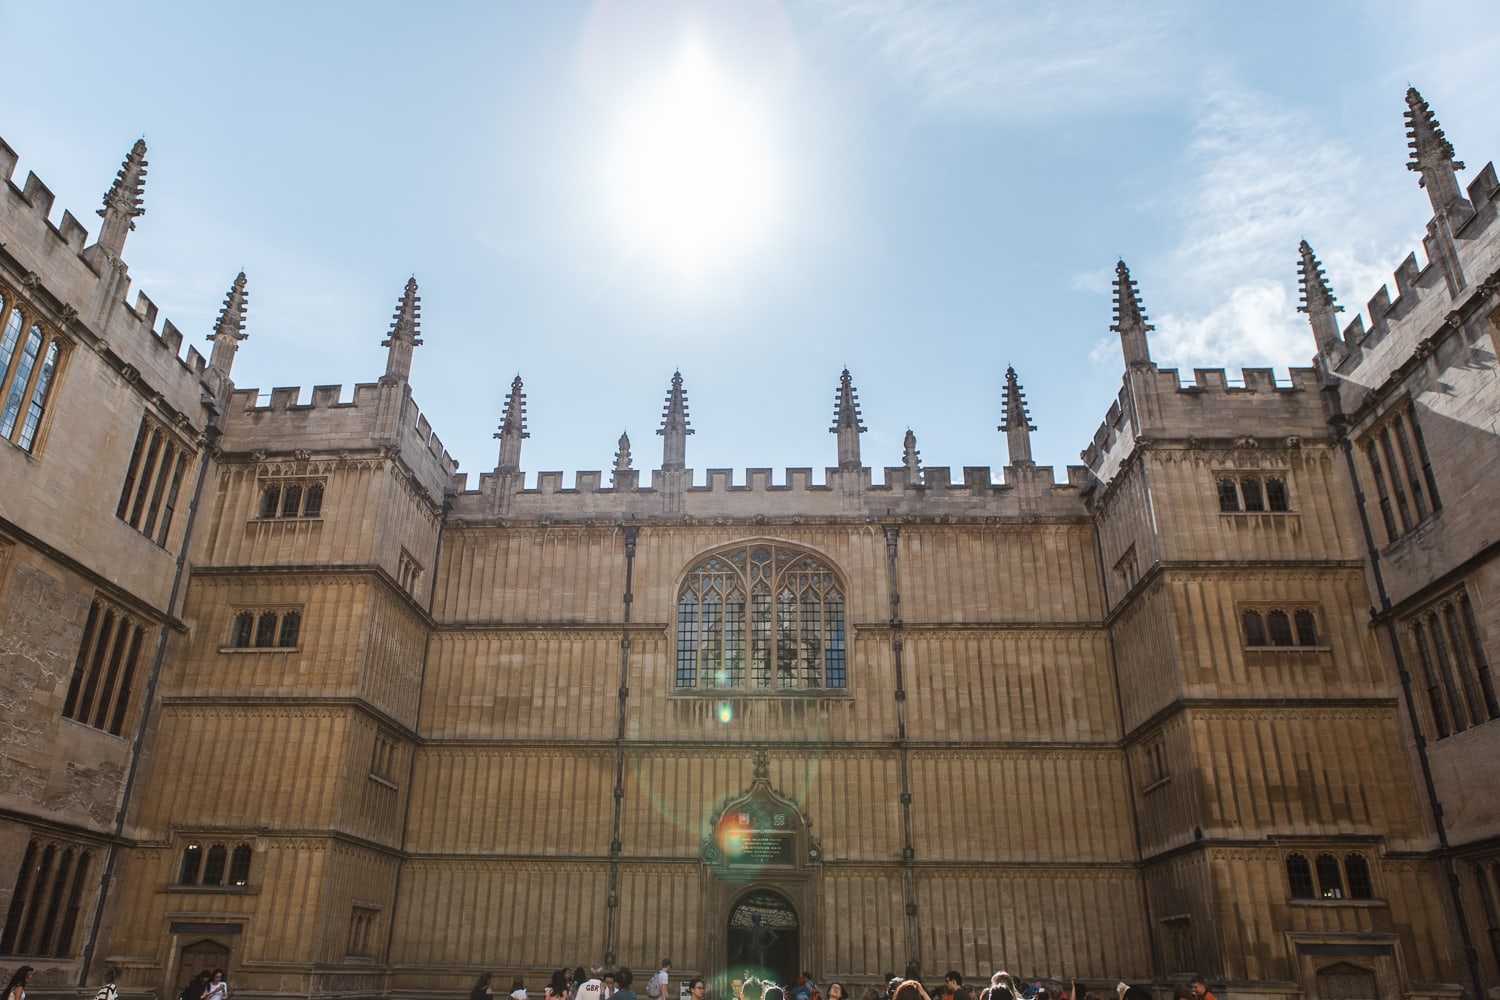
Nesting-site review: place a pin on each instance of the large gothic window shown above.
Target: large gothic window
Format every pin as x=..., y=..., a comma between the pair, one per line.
x=761, y=617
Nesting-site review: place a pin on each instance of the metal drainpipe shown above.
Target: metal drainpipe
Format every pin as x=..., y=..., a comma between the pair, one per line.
x=613, y=902
x=1339, y=424
x=908, y=852
x=212, y=433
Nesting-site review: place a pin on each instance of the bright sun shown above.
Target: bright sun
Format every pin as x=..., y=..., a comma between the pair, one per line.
x=692, y=172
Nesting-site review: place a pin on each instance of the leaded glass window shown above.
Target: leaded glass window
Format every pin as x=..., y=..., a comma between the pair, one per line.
x=762, y=617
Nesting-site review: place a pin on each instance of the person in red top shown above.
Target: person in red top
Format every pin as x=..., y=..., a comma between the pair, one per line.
x=1199, y=987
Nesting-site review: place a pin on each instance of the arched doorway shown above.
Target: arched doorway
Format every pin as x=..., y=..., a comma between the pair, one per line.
x=763, y=938
x=200, y=956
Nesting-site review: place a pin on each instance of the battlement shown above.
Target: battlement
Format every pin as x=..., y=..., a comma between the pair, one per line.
x=1025, y=491
x=79, y=278
x=1211, y=405
x=380, y=414
x=1424, y=292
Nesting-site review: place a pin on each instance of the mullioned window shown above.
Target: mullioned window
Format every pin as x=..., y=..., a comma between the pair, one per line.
x=761, y=617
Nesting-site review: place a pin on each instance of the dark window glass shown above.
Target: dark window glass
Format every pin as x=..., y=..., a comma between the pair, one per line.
x=1358, y=871
x=1229, y=496
x=1255, y=628
x=244, y=626
x=1280, y=628
x=1299, y=874
x=270, y=501
x=213, y=866
x=265, y=629
x=239, y=865
x=1307, y=628
x=192, y=859
x=312, y=505
x=1276, y=495
x=1330, y=879
x=127, y=492
x=1250, y=489
x=291, y=623
x=291, y=501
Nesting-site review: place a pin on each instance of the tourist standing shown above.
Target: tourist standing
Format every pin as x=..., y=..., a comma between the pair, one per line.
x=217, y=988
x=109, y=991
x=657, y=988
x=16, y=989
x=623, y=979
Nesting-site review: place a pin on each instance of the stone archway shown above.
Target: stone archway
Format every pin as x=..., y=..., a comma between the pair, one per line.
x=763, y=937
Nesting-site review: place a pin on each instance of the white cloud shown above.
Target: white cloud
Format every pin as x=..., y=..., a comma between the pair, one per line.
x=1264, y=176
x=1012, y=59
x=1258, y=318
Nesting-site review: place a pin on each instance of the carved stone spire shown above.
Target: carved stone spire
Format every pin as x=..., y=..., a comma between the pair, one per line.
x=403, y=337
x=230, y=328
x=1015, y=421
x=124, y=202
x=674, y=427
x=911, y=459
x=512, y=429
x=622, y=457
x=1130, y=319
x=1431, y=154
x=1317, y=300
x=846, y=422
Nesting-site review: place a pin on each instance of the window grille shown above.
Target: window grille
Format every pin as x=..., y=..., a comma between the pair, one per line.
x=793, y=605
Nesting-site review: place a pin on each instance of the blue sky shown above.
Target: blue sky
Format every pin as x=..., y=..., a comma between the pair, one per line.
x=943, y=190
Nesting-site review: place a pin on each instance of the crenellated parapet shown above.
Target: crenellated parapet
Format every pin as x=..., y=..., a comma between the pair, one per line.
x=85, y=288
x=1026, y=491
x=1455, y=286
x=1156, y=405
x=380, y=416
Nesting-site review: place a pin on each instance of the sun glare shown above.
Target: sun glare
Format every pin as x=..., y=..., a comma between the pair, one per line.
x=692, y=172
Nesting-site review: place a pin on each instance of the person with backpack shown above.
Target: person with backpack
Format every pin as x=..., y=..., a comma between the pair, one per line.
x=109, y=991
x=657, y=988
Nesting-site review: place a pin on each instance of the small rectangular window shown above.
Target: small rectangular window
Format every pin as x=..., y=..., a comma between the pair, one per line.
x=291, y=499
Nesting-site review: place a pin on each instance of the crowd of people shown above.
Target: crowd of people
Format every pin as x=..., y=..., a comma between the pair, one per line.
x=600, y=983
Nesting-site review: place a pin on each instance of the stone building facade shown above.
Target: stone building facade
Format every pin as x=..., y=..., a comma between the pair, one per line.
x=290, y=695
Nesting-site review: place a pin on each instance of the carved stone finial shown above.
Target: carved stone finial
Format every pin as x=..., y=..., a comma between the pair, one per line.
x=403, y=336
x=229, y=330
x=762, y=765
x=1317, y=299
x=512, y=429
x=1431, y=154
x=674, y=426
x=1130, y=319
x=124, y=202
x=846, y=422
x=1015, y=421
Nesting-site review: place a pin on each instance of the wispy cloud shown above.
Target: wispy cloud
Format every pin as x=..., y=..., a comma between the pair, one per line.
x=1002, y=58
x=1261, y=177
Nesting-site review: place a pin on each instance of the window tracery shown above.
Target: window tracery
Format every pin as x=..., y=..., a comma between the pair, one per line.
x=761, y=617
